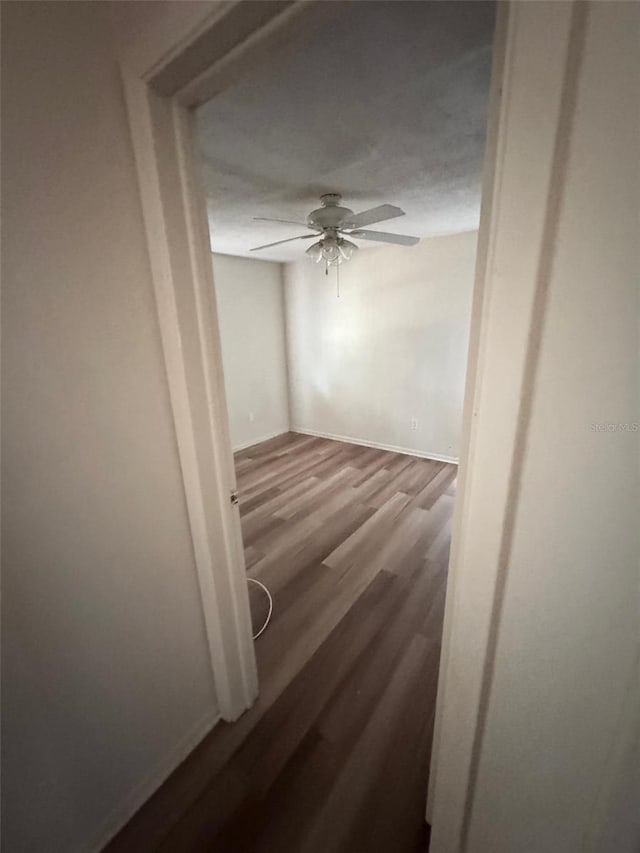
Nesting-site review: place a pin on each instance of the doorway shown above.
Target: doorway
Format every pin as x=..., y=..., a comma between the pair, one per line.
x=390, y=548
x=380, y=365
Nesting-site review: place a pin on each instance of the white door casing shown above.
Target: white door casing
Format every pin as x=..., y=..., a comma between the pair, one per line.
x=167, y=73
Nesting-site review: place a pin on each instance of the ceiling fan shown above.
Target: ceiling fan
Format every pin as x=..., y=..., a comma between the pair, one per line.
x=334, y=223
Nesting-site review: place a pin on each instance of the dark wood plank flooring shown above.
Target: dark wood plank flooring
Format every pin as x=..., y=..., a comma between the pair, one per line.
x=353, y=543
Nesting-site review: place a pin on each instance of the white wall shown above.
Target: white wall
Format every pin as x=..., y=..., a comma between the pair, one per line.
x=560, y=682
x=250, y=300
x=106, y=675
x=571, y=621
x=391, y=348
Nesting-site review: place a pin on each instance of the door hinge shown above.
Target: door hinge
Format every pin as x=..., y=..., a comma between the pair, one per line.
x=233, y=497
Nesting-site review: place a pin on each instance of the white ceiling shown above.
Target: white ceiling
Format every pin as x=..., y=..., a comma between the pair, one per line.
x=380, y=101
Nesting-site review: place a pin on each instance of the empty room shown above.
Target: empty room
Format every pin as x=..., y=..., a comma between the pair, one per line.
x=320, y=426
x=342, y=176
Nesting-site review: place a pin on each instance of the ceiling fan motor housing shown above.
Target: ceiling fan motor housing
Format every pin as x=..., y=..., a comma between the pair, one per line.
x=331, y=214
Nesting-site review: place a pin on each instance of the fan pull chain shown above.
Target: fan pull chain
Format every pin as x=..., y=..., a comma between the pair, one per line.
x=338, y=282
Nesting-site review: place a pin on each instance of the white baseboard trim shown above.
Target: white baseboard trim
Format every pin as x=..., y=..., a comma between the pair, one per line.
x=259, y=440
x=363, y=442
x=141, y=793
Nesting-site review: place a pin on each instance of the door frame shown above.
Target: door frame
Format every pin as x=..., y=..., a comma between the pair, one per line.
x=167, y=74
x=530, y=100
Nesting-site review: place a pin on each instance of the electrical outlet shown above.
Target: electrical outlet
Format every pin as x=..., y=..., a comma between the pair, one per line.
x=252, y=417
x=414, y=423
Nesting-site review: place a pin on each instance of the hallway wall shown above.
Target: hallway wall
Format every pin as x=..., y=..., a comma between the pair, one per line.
x=107, y=680
x=541, y=666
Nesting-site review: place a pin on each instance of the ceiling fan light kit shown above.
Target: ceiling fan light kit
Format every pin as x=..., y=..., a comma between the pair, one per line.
x=332, y=250
x=334, y=223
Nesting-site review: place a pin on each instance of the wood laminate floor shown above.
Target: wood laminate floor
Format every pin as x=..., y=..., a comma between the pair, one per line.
x=353, y=543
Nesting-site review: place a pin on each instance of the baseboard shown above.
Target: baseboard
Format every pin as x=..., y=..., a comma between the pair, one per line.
x=363, y=442
x=141, y=793
x=259, y=440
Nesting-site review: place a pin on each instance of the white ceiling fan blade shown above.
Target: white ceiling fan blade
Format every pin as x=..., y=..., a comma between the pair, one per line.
x=279, y=242
x=383, y=237
x=286, y=221
x=375, y=214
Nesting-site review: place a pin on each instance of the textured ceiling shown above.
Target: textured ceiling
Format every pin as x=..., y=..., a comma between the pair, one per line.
x=380, y=101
